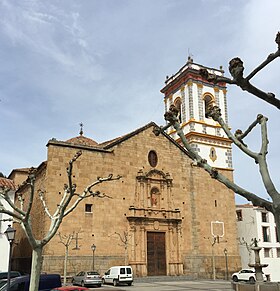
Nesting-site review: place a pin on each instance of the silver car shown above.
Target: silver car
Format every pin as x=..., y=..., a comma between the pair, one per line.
x=87, y=278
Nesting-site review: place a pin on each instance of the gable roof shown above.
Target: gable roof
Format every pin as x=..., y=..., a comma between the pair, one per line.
x=116, y=141
x=19, y=170
x=108, y=146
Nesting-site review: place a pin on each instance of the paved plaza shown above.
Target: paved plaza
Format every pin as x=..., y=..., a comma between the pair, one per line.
x=180, y=285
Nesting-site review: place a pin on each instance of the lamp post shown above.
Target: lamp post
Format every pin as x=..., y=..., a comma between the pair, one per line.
x=226, y=256
x=93, y=248
x=10, y=234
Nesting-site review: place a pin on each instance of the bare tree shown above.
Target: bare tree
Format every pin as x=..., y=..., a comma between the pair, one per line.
x=124, y=243
x=66, y=241
x=243, y=242
x=22, y=213
x=236, y=70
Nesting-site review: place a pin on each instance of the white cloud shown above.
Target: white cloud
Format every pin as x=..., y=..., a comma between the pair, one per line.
x=51, y=33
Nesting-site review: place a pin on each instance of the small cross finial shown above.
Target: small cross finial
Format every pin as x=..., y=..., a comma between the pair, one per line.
x=81, y=130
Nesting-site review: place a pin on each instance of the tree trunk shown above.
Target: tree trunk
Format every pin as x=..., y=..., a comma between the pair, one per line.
x=65, y=266
x=36, y=268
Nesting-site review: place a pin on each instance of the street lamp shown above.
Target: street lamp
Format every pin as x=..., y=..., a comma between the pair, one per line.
x=10, y=234
x=226, y=256
x=93, y=248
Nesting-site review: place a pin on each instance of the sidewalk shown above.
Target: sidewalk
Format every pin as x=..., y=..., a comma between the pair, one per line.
x=162, y=279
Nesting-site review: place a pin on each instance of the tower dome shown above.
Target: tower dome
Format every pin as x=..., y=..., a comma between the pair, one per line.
x=82, y=140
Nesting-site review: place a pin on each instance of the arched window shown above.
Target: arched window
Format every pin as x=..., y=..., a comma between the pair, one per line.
x=178, y=105
x=208, y=101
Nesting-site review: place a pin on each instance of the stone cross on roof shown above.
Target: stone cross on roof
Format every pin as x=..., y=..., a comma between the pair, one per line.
x=81, y=130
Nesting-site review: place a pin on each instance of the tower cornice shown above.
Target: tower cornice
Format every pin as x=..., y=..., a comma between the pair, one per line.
x=190, y=73
x=196, y=136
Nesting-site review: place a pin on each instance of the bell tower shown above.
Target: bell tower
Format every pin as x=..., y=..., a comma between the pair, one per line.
x=191, y=94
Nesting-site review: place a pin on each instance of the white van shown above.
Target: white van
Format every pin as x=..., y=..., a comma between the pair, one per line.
x=118, y=274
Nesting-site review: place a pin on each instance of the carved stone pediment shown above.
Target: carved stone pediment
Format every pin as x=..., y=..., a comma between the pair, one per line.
x=151, y=214
x=153, y=190
x=154, y=174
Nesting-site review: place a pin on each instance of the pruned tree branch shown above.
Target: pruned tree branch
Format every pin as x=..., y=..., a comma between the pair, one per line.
x=271, y=57
x=46, y=209
x=171, y=118
x=31, y=196
x=88, y=193
x=236, y=69
x=4, y=193
x=260, y=157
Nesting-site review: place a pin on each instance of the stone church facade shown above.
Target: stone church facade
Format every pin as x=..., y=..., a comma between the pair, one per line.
x=165, y=216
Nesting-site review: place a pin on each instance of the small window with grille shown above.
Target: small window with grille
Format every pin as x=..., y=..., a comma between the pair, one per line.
x=88, y=208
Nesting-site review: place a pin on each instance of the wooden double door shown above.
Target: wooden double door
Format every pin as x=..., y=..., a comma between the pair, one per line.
x=156, y=254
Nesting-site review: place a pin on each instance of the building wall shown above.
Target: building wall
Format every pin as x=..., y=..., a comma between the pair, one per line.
x=213, y=202
x=189, y=201
x=4, y=244
x=250, y=227
x=22, y=251
x=19, y=176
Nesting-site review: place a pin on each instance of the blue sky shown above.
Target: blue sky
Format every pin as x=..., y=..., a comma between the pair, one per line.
x=103, y=63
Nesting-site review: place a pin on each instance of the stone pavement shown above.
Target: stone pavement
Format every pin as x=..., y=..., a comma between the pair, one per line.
x=163, y=284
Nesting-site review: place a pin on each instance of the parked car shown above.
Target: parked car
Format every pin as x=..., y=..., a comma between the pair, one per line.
x=70, y=288
x=245, y=275
x=117, y=275
x=46, y=283
x=87, y=278
x=13, y=274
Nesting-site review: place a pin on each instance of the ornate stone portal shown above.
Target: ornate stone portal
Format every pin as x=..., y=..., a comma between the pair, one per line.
x=155, y=226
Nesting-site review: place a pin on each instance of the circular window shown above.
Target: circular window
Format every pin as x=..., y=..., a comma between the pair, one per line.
x=152, y=158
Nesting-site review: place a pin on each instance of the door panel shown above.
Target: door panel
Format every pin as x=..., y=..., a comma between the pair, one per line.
x=156, y=253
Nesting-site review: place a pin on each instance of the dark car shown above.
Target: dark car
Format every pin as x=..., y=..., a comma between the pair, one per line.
x=87, y=278
x=2, y=282
x=46, y=283
x=13, y=274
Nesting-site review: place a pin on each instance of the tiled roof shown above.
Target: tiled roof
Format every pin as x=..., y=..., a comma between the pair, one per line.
x=4, y=182
x=82, y=140
x=108, y=142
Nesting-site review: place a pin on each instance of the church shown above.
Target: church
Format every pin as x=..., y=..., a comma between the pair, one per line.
x=165, y=216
